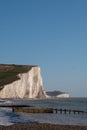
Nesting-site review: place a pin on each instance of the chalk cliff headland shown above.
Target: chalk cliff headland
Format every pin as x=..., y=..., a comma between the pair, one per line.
x=23, y=81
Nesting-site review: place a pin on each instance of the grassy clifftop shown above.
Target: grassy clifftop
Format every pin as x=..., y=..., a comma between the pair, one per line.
x=9, y=73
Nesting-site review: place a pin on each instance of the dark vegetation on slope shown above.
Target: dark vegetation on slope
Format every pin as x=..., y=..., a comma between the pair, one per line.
x=9, y=73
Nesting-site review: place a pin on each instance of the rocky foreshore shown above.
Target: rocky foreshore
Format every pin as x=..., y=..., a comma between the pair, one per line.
x=42, y=126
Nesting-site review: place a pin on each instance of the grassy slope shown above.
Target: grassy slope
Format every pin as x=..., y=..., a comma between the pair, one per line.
x=9, y=73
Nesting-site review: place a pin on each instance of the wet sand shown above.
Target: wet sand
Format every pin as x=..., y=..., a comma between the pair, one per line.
x=40, y=126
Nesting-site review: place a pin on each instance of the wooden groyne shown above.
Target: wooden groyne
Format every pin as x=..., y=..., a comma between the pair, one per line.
x=46, y=110
x=31, y=109
x=61, y=111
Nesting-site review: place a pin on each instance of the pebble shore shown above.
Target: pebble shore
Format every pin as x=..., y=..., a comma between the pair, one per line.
x=40, y=126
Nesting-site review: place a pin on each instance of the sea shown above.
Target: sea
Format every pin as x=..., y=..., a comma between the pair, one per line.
x=7, y=117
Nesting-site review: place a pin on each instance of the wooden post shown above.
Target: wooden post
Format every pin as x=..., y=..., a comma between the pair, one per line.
x=65, y=111
x=60, y=111
x=56, y=110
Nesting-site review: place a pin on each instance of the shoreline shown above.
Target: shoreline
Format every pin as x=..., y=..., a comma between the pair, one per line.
x=42, y=126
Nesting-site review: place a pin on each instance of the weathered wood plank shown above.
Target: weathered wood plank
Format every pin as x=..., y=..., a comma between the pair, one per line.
x=32, y=110
x=12, y=105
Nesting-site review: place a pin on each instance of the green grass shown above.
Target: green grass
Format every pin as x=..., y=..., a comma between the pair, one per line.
x=9, y=73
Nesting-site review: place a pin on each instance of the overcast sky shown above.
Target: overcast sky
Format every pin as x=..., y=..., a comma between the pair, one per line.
x=51, y=34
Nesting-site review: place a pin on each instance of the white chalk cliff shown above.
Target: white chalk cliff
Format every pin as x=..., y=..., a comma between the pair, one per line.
x=22, y=81
x=57, y=94
x=29, y=85
x=65, y=95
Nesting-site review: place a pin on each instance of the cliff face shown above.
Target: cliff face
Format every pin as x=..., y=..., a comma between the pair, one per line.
x=28, y=85
x=65, y=95
x=57, y=94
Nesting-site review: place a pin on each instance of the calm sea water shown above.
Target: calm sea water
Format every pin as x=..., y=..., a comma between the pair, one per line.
x=8, y=118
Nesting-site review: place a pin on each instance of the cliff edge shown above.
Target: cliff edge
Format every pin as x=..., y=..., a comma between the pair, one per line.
x=21, y=81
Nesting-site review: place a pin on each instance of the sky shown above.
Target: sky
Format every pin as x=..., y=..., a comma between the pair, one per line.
x=51, y=34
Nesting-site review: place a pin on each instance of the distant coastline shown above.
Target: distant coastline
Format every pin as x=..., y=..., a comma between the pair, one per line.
x=57, y=94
